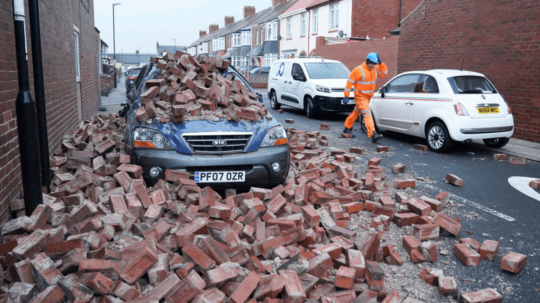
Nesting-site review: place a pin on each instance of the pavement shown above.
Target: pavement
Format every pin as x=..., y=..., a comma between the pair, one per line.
x=115, y=98
x=489, y=206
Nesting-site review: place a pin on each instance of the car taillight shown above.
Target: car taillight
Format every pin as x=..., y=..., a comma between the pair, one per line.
x=460, y=110
x=509, y=109
x=132, y=78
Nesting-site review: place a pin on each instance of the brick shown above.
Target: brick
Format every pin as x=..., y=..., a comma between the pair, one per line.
x=489, y=250
x=96, y=282
x=454, y=180
x=374, y=276
x=402, y=184
x=139, y=265
x=319, y=264
x=356, y=261
x=513, y=262
x=345, y=136
x=410, y=243
x=435, y=204
x=398, y=168
x=443, y=197
x=421, y=147
x=242, y=293
x=187, y=289
x=290, y=121
x=192, y=252
x=488, y=295
x=126, y=292
x=431, y=276
x=535, y=184
x=473, y=244
x=517, y=160
x=405, y=219
x=49, y=295
x=500, y=157
x=448, y=286
x=429, y=251
x=374, y=161
x=357, y=150
x=426, y=232
x=369, y=247
x=419, y=207
x=465, y=254
x=345, y=277
x=325, y=126
x=293, y=292
x=447, y=223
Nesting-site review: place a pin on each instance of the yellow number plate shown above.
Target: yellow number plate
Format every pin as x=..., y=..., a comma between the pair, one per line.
x=488, y=110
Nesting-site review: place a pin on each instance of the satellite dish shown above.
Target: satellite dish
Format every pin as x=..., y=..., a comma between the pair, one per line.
x=279, y=37
x=341, y=34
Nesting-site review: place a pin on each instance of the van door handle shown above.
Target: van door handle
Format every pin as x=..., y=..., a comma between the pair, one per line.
x=290, y=82
x=285, y=81
x=409, y=103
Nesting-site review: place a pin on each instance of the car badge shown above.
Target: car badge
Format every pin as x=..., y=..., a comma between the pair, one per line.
x=483, y=97
x=219, y=143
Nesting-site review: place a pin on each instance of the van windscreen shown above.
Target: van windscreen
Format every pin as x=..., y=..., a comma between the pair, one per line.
x=321, y=70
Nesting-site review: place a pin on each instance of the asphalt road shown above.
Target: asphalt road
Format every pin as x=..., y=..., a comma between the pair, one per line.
x=487, y=204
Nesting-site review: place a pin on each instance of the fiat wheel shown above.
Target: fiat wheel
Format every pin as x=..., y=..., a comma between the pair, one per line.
x=437, y=137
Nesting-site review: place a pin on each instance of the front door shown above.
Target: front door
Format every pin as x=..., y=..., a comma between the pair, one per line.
x=396, y=109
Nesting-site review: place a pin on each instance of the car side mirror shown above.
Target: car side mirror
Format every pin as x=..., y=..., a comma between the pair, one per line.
x=383, y=91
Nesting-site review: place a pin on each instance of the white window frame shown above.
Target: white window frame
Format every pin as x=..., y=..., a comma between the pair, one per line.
x=237, y=40
x=204, y=48
x=262, y=35
x=289, y=27
x=334, y=16
x=269, y=59
x=271, y=31
x=246, y=37
x=78, y=58
x=315, y=20
x=257, y=37
x=304, y=24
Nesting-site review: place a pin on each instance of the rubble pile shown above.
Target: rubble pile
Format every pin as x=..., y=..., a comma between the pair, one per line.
x=103, y=236
x=192, y=88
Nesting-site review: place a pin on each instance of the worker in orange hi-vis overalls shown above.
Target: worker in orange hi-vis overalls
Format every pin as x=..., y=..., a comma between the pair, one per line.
x=362, y=81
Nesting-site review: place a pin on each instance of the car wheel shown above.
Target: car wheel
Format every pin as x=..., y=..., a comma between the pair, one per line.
x=437, y=137
x=273, y=102
x=497, y=142
x=310, y=110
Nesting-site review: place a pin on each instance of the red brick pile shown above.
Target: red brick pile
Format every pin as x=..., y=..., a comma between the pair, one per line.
x=103, y=236
x=193, y=88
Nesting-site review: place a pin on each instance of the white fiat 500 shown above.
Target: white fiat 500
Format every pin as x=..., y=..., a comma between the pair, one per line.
x=443, y=106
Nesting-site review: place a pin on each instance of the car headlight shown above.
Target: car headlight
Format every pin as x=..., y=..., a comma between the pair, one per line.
x=323, y=89
x=275, y=136
x=150, y=138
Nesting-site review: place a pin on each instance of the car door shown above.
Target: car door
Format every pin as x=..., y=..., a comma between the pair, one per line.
x=396, y=110
x=287, y=97
x=297, y=85
x=427, y=97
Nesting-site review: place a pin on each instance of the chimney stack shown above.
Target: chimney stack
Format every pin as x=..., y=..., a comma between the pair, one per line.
x=213, y=28
x=137, y=52
x=157, y=44
x=202, y=33
x=229, y=20
x=248, y=11
x=276, y=2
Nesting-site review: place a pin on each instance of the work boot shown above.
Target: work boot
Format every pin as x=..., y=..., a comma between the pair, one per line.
x=349, y=131
x=376, y=137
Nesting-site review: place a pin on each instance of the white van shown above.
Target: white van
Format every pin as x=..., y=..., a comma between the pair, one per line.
x=312, y=84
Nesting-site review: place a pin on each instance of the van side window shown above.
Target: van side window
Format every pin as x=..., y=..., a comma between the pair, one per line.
x=297, y=69
x=428, y=85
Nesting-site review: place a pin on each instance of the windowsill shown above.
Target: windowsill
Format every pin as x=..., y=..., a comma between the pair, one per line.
x=302, y=36
x=334, y=30
x=314, y=34
x=288, y=39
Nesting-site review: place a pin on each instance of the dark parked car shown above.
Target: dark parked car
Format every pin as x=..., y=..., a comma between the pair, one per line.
x=244, y=68
x=131, y=77
x=224, y=153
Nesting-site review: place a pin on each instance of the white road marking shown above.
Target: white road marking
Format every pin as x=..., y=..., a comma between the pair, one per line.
x=474, y=204
x=522, y=185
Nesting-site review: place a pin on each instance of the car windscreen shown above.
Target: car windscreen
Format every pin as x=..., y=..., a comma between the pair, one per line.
x=322, y=70
x=471, y=85
x=135, y=72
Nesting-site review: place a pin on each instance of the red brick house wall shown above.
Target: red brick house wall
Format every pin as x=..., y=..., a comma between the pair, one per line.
x=354, y=53
x=498, y=38
x=58, y=18
x=377, y=18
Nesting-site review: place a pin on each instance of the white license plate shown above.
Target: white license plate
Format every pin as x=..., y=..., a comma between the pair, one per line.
x=351, y=102
x=220, y=176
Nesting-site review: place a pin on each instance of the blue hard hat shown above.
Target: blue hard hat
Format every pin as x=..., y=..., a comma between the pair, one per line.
x=373, y=57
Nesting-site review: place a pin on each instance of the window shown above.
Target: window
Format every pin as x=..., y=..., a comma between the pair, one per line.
x=297, y=70
x=334, y=16
x=257, y=37
x=304, y=24
x=236, y=40
x=262, y=35
x=214, y=45
x=269, y=59
x=428, y=85
x=246, y=37
x=316, y=20
x=271, y=31
x=471, y=85
x=289, y=27
x=403, y=84
x=240, y=61
x=327, y=70
x=221, y=43
x=204, y=48
x=77, y=58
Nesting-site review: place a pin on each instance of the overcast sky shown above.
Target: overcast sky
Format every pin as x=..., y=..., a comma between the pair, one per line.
x=142, y=23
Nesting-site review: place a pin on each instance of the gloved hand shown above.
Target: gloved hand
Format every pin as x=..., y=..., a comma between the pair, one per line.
x=346, y=101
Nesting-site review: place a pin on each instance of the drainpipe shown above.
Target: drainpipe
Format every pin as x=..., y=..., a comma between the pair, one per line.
x=399, y=21
x=26, y=118
x=98, y=62
x=39, y=89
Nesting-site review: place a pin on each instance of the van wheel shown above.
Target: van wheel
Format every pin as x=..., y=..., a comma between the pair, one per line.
x=310, y=109
x=273, y=101
x=497, y=142
x=438, y=138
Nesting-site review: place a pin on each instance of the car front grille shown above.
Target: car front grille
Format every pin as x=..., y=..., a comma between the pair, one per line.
x=202, y=143
x=244, y=168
